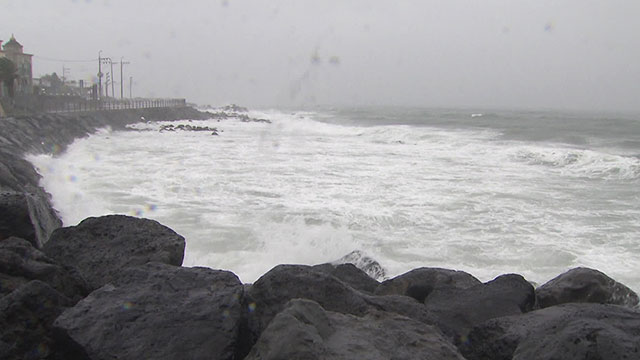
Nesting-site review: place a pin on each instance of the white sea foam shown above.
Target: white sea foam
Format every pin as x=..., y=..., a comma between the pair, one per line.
x=581, y=163
x=303, y=191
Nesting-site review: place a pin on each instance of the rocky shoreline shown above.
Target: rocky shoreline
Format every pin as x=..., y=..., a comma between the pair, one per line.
x=114, y=287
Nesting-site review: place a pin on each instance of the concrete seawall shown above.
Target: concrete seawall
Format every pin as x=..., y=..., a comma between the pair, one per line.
x=25, y=208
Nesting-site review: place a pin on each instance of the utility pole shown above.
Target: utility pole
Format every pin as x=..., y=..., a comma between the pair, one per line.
x=113, y=93
x=106, y=85
x=65, y=71
x=99, y=75
x=121, y=81
x=102, y=60
x=130, y=87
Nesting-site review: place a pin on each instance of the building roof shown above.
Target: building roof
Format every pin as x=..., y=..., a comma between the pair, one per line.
x=12, y=43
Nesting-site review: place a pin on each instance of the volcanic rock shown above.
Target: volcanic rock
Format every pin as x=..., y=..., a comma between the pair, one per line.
x=569, y=332
x=269, y=295
x=21, y=263
x=100, y=247
x=351, y=275
x=458, y=310
x=234, y=108
x=365, y=263
x=26, y=215
x=158, y=311
x=419, y=283
x=26, y=317
x=304, y=330
x=585, y=285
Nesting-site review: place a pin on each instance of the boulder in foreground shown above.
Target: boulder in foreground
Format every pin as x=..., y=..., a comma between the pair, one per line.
x=568, y=332
x=350, y=274
x=26, y=215
x=458, y=310
x=419, y=283
x=20, y=263
x=26, y=318
x=269, y=295
x=584, y=285
x=304, y=330
x=101, y=246
x=158, y=311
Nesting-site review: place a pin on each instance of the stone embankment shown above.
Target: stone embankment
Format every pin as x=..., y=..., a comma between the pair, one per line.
x=25, y=210
x=114, y=287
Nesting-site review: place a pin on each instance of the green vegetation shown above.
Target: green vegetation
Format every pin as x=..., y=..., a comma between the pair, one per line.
x=8, y=74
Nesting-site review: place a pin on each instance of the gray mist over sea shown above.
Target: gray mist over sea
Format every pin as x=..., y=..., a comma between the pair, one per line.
x=573, y=54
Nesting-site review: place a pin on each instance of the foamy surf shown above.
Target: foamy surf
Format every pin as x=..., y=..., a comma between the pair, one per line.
x=299, y=190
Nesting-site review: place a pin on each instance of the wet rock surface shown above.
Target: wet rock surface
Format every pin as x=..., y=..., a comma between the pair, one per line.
x=569, y=331
x=101, y=247
x=26, y=318
x=304, y=330
x=458, y=310
x=419, y=283
x=187, y=127
x=158, y=311
x=269, y=294
x=20, y=263
x=585, y=285
x=365, y=263
x=351, y=275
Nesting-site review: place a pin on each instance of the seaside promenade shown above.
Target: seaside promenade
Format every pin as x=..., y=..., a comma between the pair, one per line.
x=35, y=104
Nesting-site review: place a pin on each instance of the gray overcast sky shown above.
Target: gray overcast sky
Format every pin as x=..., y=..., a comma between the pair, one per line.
x=573, y=54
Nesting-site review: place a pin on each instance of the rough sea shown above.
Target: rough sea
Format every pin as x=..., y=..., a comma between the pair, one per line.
x=487, y=192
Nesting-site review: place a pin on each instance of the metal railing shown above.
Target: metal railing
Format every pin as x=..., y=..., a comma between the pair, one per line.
x=65, y=104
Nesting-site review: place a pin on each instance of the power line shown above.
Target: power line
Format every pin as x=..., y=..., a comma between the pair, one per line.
x=63, y=60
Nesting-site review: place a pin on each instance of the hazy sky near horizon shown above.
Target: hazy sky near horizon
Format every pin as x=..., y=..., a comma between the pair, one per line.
x=571, y=54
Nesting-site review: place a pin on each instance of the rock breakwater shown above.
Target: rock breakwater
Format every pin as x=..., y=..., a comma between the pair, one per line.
x=113, y=287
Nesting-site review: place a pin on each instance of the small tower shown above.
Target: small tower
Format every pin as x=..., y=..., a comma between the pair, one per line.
x=13, y=46
x=12, y=50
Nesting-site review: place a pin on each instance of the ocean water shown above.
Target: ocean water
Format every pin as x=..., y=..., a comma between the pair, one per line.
x=487, y=192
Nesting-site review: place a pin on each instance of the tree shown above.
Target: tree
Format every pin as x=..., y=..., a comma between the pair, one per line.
x=8, y=74
x=56, y=85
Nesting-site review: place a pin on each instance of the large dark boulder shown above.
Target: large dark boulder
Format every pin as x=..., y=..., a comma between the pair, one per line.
x=159, y=311
x=458, y=310
x=419, y=283
x=20, y=263
x=25, y=210
x=306, y=331
x=568, y=332
x=585, y=285
x=28, y=216
x=14, y=217
x=269, y=295
x=101, y=247
x=16, y=173
x=26, y=318
x=271, y=292
x=351, y=275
